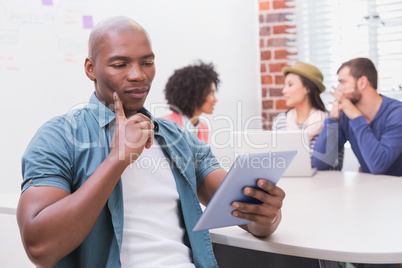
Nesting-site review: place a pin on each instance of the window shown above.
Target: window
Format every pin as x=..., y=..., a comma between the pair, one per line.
x=330, y=32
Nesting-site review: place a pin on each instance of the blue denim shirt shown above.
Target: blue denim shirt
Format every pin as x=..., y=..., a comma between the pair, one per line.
x=67, y=149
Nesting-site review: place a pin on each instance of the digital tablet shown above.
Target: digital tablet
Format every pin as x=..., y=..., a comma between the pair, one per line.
x=245, y=172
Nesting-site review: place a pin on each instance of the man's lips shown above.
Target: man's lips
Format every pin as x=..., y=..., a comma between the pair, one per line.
x=137, y=92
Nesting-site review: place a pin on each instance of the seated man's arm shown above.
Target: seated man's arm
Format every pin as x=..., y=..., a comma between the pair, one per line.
x=379, y=153
x=54, y=222
x=264, y=217
x=328, y=146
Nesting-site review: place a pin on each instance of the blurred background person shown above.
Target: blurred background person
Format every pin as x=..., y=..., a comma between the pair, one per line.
x=371, y=122
x=190, y=92
x=303, y=86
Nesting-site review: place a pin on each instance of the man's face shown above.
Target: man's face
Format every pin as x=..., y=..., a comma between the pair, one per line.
x=124, y=64
x=348, y=85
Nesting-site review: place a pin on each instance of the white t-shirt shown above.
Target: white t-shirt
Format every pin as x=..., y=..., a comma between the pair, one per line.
x=190, y=127
x=152, y=234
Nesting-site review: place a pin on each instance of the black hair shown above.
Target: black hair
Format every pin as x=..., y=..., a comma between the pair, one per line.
x=187, y=89
x=313, y=93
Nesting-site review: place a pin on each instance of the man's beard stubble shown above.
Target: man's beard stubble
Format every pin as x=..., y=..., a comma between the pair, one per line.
x=356, y=96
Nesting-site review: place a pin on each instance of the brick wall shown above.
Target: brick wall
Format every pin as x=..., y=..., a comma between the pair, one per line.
x=277, y=40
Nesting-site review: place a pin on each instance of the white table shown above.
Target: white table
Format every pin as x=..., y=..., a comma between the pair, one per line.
x=338, y=216
x=12, y=253
x=9, y=202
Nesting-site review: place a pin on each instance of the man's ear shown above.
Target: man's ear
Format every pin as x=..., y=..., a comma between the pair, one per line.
x=89, y=69
x=363, y=82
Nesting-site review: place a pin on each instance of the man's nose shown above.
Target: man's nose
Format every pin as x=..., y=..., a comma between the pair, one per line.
x=136, y=73
x=339, y=87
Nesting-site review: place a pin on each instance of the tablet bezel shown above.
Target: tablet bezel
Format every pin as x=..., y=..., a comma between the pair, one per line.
x=245, y=172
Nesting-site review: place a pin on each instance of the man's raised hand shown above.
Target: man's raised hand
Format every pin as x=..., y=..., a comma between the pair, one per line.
x=335, y=112
x=131, y=135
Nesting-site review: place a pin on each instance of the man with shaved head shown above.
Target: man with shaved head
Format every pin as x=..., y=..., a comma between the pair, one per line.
x=109, y=185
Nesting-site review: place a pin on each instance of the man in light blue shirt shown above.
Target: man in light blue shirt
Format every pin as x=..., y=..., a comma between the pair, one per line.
x=73, y=215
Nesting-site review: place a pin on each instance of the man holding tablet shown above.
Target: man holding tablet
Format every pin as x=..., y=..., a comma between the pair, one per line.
x=88, y=199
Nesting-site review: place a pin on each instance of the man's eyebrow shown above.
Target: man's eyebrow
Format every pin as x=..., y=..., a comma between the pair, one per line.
x=125, y=58
x=151, y=55
x=117, y=58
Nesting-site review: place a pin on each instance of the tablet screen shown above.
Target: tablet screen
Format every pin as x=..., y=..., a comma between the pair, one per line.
x=245, y=172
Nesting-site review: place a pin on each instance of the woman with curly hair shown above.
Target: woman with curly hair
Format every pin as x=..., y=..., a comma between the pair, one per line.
x=190, y=92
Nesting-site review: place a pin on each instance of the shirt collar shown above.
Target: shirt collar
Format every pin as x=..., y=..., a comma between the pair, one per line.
x=104, y=115
x=150, y=116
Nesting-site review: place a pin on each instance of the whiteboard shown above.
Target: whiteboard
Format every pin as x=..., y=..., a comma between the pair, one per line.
x=43, y=45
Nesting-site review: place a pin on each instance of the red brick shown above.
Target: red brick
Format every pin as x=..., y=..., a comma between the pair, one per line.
x=282, y=29
x=266, y=79
x=277, y=42
x=265, y=30
x=272, y=116
x=265, y=116
x=264, y=5
x=281, y=4
x=264, y=92
x=276, y=67
x=275, y=92
x=265, y=55
x=267, y=104
x=266, y=125
x=263, y=68
x=281, y=54
x=278, y=17
x=279, y=79
x=280, y=105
